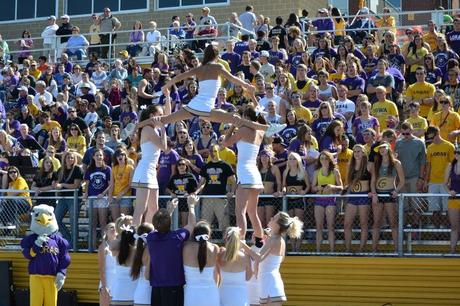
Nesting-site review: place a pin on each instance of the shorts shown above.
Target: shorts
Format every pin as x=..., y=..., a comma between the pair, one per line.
x=386, y=199
x=167, y=296
x=295, y=203
x=437, y=203
x=123, y=202
x=183, y=206
x=266, y=202
x=359, y=200
x=325, y=202
x=98, y=203
x=453, y=203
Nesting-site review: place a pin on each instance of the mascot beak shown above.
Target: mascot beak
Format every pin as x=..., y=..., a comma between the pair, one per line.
x=43, y=220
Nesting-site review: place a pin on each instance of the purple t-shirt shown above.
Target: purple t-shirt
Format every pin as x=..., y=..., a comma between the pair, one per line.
x=240, y=47
x=166, y=262
x=319, y=127
x=196, y=160
x=233, y=60
x=360, y=126
x=98, y=180
x=165, y=163
x=453, y=39
x=354, y=83
x=275, y=56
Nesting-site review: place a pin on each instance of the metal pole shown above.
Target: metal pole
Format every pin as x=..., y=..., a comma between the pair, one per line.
x=175, y=218
x=74, y=220
x=285, y=206
x=89, y=203
x=400, y=224
x=110, y=49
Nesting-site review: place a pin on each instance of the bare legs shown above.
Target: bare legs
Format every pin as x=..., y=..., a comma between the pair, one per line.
x=350, y=214
x=319, y=220
x=146, y=203
x=454, y=218
x=220, y=116
x=378, y=210
x=246, y=201
x=265, y=213
x=180, y=115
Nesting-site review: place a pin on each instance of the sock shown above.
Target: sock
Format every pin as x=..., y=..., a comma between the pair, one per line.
x=259, y=242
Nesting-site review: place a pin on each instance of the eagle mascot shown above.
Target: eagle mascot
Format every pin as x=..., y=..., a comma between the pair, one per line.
x=48, y=257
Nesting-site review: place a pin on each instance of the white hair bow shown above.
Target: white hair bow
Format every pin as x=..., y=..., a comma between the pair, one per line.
x=203, y=237
x=233, y=230
x=143, y=237
x=127, y=228
x=260, y=110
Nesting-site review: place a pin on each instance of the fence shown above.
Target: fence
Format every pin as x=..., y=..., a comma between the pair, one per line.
x=404, y=20
x=411, y=225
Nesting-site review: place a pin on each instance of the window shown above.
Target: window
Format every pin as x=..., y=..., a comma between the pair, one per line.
x=170, y=4
x=88, y=7
x=24, y=10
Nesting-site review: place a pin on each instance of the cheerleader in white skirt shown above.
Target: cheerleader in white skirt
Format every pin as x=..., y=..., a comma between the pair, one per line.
x=235, y=271
x=271, y=256
x=107, y=263
x=200, y=257
x=140, y=269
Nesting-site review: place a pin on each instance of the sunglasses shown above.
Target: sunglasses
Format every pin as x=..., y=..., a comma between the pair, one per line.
x=323, y=107
x=51, y=152
x=445, y=102
x=268, y=88
x=182, y=132
x=206, y=127
x=12, y=172
x=405, y=134
x=72, y=111
x=121, y=155
x=181, y=164
x=295, y=96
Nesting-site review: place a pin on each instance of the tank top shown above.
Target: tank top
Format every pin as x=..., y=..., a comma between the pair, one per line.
x=326, y=93
x=454, y=180
x=294, y=181
x=268, y=176
x=149, y=90
x=325, y=179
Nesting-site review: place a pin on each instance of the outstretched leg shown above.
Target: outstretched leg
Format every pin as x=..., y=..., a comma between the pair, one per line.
x=221, y=116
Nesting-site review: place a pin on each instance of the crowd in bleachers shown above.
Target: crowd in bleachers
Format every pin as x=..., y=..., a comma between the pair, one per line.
x=364, y=115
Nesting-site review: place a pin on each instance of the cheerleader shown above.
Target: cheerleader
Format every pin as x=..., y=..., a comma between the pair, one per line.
x=107, y=263
x=153, y=140
x=140, y=269
x=123, y=250
x=201, y=274
x=235, y=270
x=249, y=179
x=272, y=255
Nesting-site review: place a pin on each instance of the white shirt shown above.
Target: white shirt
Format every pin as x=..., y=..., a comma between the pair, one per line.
x=91, y=118
x=268, y=71
x=48, y=34
x=153, y=37
x=91, y=91
x=48, y=99
x=343, y=107
x=264, y=102
x=248, y=19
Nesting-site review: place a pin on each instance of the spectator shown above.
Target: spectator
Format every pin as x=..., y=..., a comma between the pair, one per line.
x=109, y=24
x=98, y=77
x=232, y=28
x=453, y=37
x=76, y=141
x=12, y=209
x=26, y=43
x=447, y=121
x=205, y=11
x=324, y=24
x=95, y=39
x=45, y=180
x=49, y=40
x=266, y=69
x=65, y=31
x=418, y=123
x=120, y=184
x=136, y=37
x=56, y=140
x=76, y=44
x=189, y=26
x=293, y=21
x=421, y=92
x=384, y=110
x=361, y=25
x=354, y=83
x=4, y=50
x=206, y=34
x=451, y=182
x=451, y=87
x=216, y=175
x=415, y=56
x=153, y=41
x=248, y=20
x=364, y=122
x=443, y=53
x=100, y=145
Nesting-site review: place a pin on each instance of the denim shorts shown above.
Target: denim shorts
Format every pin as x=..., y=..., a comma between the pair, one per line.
x=123, y=202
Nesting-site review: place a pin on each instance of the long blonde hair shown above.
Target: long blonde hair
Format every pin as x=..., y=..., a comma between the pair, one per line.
x=232, y=243
x=291, y=226
x=300, y=168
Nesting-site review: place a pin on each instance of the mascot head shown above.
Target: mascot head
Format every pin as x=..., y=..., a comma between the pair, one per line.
x=43, y=220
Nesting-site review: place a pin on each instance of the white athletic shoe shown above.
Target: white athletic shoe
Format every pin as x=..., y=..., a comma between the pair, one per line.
x=274, y=129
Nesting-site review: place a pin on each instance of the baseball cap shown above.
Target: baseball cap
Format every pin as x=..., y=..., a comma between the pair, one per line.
x=124, y=53
x=23, y=88
x=265, y=53
x=323, y=10
x=65, y=16
x=85, y=85
x=52, y=17
x=279, y=140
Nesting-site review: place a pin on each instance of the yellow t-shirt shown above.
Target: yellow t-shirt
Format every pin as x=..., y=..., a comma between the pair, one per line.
x=227, y=155
x=19, y=184
x=54, y=160
x=51, y=125
x=339, y=27
x=121, y=177
x=446, y=124
x=418, y=123
x=343, y=159
x=431, y=40
x=33, y=109
x=77, y=143
x=303, y=113
x=419, y=91
x=35, y=73
x=421, y=52
x=305, y=89
x=381, y=110
x=336, y=77
x=439, y=156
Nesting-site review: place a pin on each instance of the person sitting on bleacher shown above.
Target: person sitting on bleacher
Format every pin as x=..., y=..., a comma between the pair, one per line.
x=77, y=44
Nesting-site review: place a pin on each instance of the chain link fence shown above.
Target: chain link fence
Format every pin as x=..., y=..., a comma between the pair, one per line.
x=410, y=225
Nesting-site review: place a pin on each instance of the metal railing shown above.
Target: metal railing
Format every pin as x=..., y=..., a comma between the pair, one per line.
x=407, y=19
x=422, y=229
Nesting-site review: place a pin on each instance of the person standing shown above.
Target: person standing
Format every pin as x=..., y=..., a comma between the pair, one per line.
x=49, y=40
x=248, y=20
x=95, y=39
x=108, y=24
x=165, y=246
x=64, y=30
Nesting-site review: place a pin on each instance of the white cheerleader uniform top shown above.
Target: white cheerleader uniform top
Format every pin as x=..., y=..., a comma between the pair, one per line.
x=204, y=101
x=246, y=168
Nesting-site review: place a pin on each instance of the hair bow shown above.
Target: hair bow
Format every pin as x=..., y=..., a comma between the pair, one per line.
x=203, y=237
x=233, y=230
x=143, y=237
x=127, y=228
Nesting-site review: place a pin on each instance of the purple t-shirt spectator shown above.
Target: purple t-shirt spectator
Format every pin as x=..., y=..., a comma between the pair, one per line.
x=288, y=133
x=233, y=60
x=319, y=127
x=323, y=25
x=165, y=164
x=353, y=83
x=327, y=144
x=361, y=125
x=275, y=56
x=453, y=39
x=98, y=179
x=166, y=261
x=196, y=160
x=240, y=47
x=294, y=60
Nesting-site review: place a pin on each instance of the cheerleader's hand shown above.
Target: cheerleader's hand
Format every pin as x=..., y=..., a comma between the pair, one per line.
x=172, y=204
x=192, y=199
x=165, y=91
x=452, y=193
x=59, y=281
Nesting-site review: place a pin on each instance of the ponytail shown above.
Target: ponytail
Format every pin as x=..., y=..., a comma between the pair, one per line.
x=141, y=241
x=232, y=243
x=201, y=234
x=127, y=240
x=291, y=226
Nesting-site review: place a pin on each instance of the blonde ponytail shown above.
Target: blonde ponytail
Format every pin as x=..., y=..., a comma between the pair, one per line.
x=291, y=226
x=232, y=243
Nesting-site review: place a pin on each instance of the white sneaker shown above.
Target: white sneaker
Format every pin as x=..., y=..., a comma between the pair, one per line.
x=274, y=129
